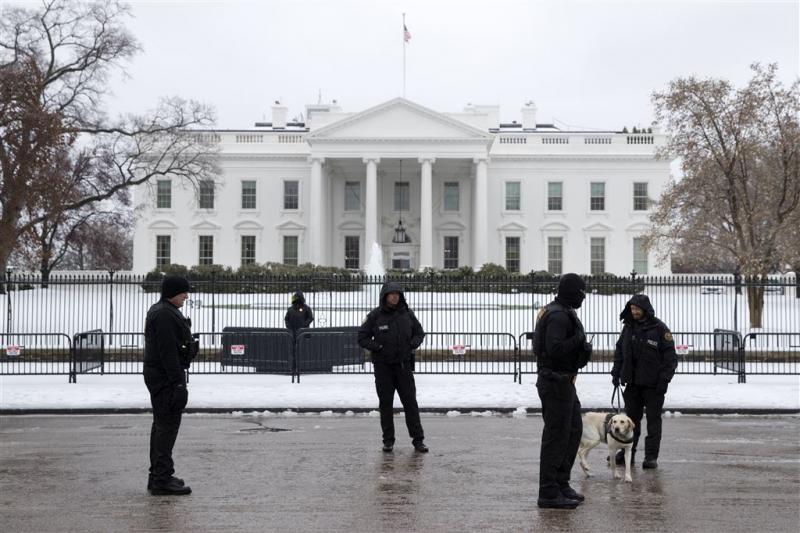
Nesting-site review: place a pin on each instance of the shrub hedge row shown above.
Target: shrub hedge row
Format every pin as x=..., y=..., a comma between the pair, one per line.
x=280, y=278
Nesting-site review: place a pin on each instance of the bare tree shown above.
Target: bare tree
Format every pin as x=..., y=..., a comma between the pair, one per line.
x=740, y=151
x=54, y=68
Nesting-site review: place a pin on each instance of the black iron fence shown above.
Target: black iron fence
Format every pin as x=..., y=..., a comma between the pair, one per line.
x=487, y=317
x=118, y=302
x=335, y=351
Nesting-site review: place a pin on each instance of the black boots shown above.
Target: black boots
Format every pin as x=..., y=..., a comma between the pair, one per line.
x=177, y=480
x=170, y=488
x=387, y=446
x=650, y=462
x=572, y=494
x=559, y=502
x=420, y=447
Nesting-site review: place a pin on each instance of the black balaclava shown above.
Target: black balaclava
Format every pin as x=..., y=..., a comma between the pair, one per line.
x=571, y=290
x=173, y=286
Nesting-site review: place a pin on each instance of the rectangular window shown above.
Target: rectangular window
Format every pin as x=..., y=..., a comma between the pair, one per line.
x=401, y=198
x=451, y=252
x=163, y=250
x=352, y=196
x=640, y=200
x=555, y=198
x=164, y=194
x=512, y=254
x=206, y=194
x=513, y=200
x=639, y=256
x=290, y=250
x=352, y=259
x=248, y=249
x=451, y=196
x=291, y=194
x=401, y=261
x=206, y=255
x=248, y=194
x=555, y=255
x=597, y=201
x=598, y=255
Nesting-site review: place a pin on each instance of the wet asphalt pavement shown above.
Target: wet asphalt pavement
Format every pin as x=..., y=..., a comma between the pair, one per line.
x=88, y=473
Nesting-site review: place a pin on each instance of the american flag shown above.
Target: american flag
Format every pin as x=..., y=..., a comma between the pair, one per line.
x=406, y=34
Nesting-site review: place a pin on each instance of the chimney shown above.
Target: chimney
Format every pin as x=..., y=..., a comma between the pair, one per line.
x=279, y=114
x=529, y=116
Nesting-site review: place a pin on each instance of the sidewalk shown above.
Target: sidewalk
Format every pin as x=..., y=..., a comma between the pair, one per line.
x=342, y=392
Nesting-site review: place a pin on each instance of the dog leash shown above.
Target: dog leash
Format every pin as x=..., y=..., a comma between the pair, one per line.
x=618, y=395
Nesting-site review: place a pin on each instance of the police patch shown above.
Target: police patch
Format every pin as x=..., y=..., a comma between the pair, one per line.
x=668, y=336
x=541, y=313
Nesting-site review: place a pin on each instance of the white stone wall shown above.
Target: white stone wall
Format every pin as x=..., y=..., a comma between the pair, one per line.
x=402, y=130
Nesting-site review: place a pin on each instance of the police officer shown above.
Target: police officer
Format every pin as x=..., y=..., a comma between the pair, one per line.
x=561, y=349
x=391, y=333
x=645, y=361
x=299, y=315
x=168, y=351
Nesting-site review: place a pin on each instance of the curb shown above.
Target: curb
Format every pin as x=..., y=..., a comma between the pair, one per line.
x=362, y=410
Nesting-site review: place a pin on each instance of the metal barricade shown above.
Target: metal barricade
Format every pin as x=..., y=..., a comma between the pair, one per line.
x=35, y=354
x=329, y=350
x=246, y=350
x=771, y=353
x=468, y=353
x=88, y=348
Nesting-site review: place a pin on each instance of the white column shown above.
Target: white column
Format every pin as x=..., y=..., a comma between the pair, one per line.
x=371, y=218
x=426, y=214
x=316, y=229
x=480, y=219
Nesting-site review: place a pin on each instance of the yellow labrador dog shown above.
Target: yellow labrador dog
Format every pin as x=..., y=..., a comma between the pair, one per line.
x=616, y=431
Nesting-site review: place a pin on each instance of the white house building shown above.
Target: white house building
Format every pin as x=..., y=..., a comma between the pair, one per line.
x=433, y=189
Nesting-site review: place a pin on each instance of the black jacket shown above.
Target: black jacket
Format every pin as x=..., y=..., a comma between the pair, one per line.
x=299, y=315
x=166, y=336
x=560, y=339
x=391, y=334
x=645, y=353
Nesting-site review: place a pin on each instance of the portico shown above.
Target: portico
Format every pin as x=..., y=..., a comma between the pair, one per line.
x=399, y=168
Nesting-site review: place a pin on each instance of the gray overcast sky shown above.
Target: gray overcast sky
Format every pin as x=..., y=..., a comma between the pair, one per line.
x=586, y=64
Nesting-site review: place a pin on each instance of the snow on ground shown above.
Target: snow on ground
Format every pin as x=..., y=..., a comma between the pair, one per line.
x=337, y=391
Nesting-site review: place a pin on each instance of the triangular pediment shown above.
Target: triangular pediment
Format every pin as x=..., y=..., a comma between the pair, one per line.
x=398, y=119
x=290, y=225
x=512, y=226
x=599, y=227
x=555, y=226
x=206, y=225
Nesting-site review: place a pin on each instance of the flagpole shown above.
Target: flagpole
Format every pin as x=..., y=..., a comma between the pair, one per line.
x=404, y=55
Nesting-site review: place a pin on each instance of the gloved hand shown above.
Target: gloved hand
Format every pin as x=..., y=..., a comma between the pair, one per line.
x=662, y=386
x=615, y=381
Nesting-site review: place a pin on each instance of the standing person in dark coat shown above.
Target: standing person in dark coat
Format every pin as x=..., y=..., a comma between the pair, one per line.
x=168, y=351
x=391, y=333
x=561, y=350
x=299, y=315
x=645, y=362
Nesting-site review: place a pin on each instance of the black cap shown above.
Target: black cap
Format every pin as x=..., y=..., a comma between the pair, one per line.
x=173, y=286
x=572, y=290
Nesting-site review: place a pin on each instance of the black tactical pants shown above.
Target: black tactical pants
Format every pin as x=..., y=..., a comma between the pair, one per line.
x=400, y=378
x=640, y=399
x=561, y=436
x=168, y=403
